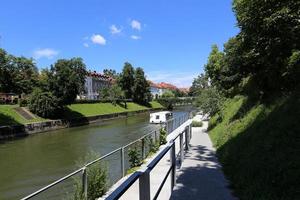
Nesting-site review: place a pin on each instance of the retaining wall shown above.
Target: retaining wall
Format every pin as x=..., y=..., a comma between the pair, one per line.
x=9, y=132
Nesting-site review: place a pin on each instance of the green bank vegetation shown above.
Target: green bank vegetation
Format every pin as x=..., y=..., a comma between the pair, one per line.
x=250, y=89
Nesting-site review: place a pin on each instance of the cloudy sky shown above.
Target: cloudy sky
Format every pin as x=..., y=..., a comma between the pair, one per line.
x=170, y=39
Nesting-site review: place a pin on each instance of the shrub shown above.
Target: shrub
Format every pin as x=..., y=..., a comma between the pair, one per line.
x=97, y=179
x=44, y=104
x=153, y=146
x=197, y=123
x=23, y=102
x=135, y=157
x=163, y=136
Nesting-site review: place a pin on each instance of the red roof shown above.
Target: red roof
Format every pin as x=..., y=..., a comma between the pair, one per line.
x=99, y=75
x=167, y=86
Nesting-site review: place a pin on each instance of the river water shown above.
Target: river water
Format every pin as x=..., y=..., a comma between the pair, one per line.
x=29, y=163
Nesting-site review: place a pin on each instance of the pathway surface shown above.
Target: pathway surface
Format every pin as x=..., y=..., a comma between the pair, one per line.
x=200, y=176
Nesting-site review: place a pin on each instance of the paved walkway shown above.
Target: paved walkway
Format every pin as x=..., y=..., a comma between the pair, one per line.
x=200, y=176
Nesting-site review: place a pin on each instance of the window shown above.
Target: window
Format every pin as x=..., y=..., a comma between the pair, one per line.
x=157, y=117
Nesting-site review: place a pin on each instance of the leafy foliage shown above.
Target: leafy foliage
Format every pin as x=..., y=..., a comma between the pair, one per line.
x=162, y=136
x=66, y=79
x=141, y=87
x=17, y=74
x=97, y=179
x=209, y=101
x=127, y=80
x=135, y=157
x=44, y=104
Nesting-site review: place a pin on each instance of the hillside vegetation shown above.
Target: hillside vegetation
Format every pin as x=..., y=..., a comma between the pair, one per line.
x=258, y=146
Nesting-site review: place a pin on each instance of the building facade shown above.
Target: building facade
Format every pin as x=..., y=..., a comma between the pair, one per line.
x=94, y=83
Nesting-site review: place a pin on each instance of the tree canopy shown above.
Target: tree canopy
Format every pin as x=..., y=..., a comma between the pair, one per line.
x=127, y=80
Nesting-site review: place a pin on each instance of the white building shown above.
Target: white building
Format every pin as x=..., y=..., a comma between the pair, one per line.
x=94, y=82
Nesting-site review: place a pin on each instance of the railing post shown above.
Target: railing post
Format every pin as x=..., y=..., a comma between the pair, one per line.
x=144, y=186
x=84, y=183
x=155, y=137
x=122, y=162
x=181, y=147
x=187, y=141
x=190, y=131
x=173, y=165
x=143, y=148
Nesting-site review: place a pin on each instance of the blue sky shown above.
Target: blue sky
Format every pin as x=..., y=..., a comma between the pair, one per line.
x=170, y=39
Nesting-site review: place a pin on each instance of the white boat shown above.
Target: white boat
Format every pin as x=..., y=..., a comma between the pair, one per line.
x=160, y=117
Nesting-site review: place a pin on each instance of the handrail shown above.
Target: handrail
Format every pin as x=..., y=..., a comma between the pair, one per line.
x=137, y=174
x=53, y=184
x=127, y=184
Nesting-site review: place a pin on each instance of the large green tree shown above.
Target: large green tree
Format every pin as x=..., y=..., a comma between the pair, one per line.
x=126, y=80
x=17, y=74
x=141, y=87
x=270, y=40
x=66, y=79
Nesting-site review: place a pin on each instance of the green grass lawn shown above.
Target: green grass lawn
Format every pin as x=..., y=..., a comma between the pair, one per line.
x=86, y=110
x=8, y=116
x=258, y=145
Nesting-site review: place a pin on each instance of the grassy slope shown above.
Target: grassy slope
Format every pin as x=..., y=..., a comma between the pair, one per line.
x=259, y=147
x=9, y=116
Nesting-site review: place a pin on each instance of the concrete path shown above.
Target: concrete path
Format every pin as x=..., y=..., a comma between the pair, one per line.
x=200, y=176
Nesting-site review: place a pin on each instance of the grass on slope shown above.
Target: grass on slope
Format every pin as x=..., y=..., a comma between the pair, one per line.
x=86, y=110
x=259, y=147
x=8, y=116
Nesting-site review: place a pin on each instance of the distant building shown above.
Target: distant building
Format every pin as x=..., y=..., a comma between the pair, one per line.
x=8, y=98
x=155, y=90
x=94, y=82
x=158, y=89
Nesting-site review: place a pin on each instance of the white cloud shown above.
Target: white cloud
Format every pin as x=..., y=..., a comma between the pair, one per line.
x=180, y=79
x=44, y=53
x=135, y=37
x=86, y=45
x=136, y=25
x=98, y=39
x=114, y=29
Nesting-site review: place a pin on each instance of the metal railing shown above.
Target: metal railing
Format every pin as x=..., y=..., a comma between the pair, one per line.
x=143, y=175
x=118, y=156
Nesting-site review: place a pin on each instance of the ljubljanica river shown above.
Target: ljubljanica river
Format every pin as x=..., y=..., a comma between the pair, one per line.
x=29, y=163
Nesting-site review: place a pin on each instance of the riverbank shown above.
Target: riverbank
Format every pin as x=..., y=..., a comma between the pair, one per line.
x=75, y=115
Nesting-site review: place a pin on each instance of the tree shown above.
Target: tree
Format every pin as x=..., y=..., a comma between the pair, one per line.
x=66, y=79
x=200, y=83
x=17, y=74
x=209, y=101
x=44, y=104
x=26, y=75
x=168, y=94
x=270, y=33
x=141, y=87
x=214, y=65
x=7, y=72
x=179, y=93
x=111, y=73
x=127, y=80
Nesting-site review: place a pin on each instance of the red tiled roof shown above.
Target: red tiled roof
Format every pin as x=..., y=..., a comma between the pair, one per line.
x=99, y=75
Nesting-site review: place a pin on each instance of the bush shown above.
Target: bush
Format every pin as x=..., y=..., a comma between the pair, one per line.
x=163, y=136
x=153, y=146
x=44, y=104
x=23, y=102
x=97, y=179
x=197, y=123
x=135, y=157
